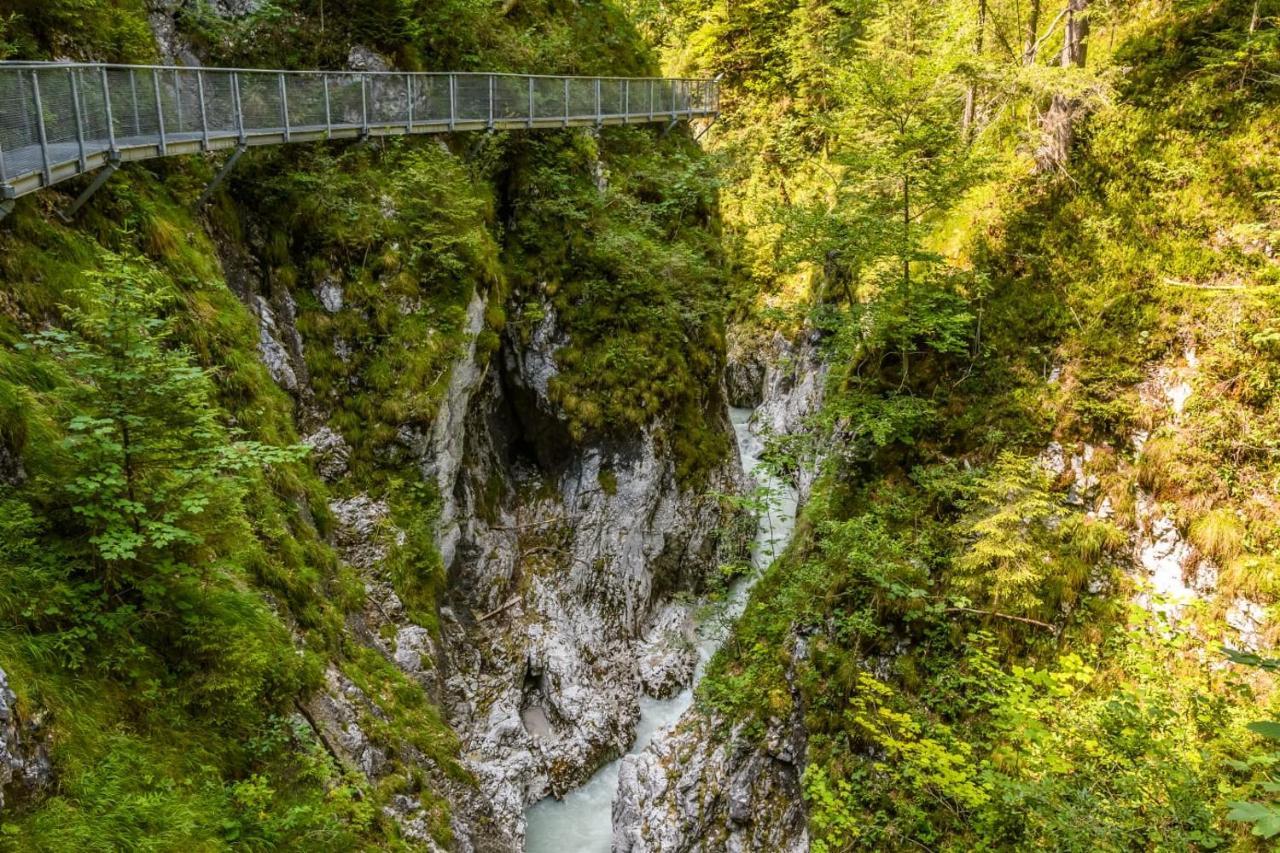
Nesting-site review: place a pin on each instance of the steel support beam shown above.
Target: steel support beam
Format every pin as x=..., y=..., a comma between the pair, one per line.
x=98, y=180
x=222, y=174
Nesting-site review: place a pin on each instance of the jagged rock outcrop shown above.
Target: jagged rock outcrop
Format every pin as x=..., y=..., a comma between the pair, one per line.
x=745, y=371
x=704, y=785
x=329, y=451
x=794, y=379
x=25, y=769
x=561, y=584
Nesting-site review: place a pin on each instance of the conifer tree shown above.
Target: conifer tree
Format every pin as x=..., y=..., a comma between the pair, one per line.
x=906, y=160
x=154, y=469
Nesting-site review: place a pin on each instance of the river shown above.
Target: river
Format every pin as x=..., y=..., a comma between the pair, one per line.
x=581, y=821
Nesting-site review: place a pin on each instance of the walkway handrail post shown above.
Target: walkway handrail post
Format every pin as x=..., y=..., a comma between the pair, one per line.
x=204, y=112
x=364, y=105
x=453, y=101
x=4, y=175
x=529, y=123
x=673, y=101
x=626, y=101
x=492, y=85
x=650, y=99
x=284, y=105
x=328, y=110
x=164, y=142
x=44, y=135
x=599, y=114
x=566, y=102
x=74, y=75
x=239, y=104
x=408, y=85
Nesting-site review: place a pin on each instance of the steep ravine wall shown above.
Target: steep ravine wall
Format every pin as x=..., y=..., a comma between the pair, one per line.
x=704, y=785
x=566, y=566
x=568, y=560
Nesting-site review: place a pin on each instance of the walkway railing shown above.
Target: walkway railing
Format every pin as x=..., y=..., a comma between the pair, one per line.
x=59, y=120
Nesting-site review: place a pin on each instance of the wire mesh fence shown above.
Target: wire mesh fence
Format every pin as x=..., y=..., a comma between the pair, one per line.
x=55, y=114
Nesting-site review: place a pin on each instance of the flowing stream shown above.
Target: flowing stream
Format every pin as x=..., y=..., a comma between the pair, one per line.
x=582, y=821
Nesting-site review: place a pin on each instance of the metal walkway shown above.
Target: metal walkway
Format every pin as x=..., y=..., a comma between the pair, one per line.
x=60, y=120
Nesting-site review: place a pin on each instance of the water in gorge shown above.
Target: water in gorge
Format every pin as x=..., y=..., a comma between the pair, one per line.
x=581, y=821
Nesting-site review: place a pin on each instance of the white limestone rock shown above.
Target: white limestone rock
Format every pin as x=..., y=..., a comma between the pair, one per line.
x=330, y=295
x=362, y=539
x=555, y=591
x=272, y=352
x=695, y=790
x=330, y=452
x=364, y=58
x=667, y=657
x=24, y=761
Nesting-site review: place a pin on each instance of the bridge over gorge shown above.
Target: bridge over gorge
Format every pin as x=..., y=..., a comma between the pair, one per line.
x=61, y=120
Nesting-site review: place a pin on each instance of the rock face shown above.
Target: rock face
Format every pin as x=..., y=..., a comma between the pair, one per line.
x=330, y=452
x=562, y=578
x=792, y=386
x=697, y=790
x=703, y=785
x=744, y=373
x=24, y=764
x=564, y=565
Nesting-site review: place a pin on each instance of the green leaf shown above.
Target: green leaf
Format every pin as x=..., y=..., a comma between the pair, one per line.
x=1266, y=728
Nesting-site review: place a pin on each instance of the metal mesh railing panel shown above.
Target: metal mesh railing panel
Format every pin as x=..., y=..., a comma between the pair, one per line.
x=346, y=100
x=582, y=98
x=388, y=99
x=260, y=101
x=219, y=103
x=18, y=135
x=511, y=98
x=93, y=108
x=58, y=108
x=662, y=99
x=612, y=101
x=548, y=97
x=306, y=101
x=471, y=99
x=430, y=98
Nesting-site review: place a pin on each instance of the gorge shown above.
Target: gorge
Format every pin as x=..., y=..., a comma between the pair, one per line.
x=682, y=427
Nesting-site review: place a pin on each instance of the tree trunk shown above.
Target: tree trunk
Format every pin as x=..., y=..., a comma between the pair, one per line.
x=1057, y=134
x=971, y=95
x=906, y=273
x=1075, y=44
x=1032, y=34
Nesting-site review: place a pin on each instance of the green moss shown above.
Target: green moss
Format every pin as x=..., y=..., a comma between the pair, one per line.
x=632, y=272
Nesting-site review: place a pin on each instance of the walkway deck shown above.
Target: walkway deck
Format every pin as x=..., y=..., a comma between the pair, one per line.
x=60, y=120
